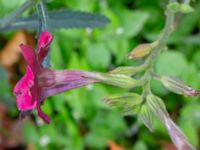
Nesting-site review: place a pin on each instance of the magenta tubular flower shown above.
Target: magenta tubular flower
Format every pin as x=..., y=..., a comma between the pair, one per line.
x=38, y=83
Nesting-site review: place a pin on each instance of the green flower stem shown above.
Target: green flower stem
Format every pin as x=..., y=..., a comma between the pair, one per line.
x=8, y=20
x=157, y=50
x=129, y=70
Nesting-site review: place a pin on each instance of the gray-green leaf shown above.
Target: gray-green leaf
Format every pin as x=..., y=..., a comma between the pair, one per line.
x=61, y=19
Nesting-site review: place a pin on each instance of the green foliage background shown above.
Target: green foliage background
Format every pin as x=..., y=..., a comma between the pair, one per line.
x=80, y=119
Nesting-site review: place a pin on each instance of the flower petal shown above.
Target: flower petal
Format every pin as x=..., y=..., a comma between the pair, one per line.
x=49, y=91
x=25, y=102
x=29, y=56
x=42, y=115
x=22, y=91
x=25, y=83
x=43, y=45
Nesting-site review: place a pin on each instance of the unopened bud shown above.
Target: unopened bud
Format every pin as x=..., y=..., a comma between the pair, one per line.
x=142, y=50
x=177, y=136
x=186, y=8
x=174, y=7
x=178, y=86
x=157, y=106
x=118, y=80
x=129, y=102
x=127, y=70
x=146, y=116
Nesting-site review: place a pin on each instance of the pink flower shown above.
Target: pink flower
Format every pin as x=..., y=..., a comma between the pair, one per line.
x=38, y=83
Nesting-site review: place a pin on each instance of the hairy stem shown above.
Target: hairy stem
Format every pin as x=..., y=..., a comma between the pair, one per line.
x=43, y=26
x=157, y=50
x=175, y=133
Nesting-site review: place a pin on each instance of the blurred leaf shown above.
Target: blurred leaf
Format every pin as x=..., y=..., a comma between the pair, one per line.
x=7, y=7
x=61, y=19
x=171, y=63
x=98, y=56
x=196, y=59
x=133, y=22
x=119, y=48
x=30, y=133
x=5, y=94
x=191, y=20
x=100, y=125
x=191, y=131
x=191, y=110
x=140, y=145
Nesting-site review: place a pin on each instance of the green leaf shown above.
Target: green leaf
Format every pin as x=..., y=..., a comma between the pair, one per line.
x=5, y=94
x=146, y=116
x=133, y=22
x=30, y=133
x=171, y=63
x=140, y=145
x=192, y=109
x=98, y=56
x=61, y=19
x=191, y=131
x=103, y=128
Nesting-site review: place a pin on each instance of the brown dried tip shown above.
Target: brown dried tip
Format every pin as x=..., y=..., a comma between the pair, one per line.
x=142, y=50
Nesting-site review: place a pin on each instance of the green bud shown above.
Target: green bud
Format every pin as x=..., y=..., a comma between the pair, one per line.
x=146, y=116
x=186, y=8
x=178, y=86
x=142, y=50
x=118, y=80
x=174, y=7
x=128, y=103
x=127, y=70
x=157, y=106
x=124, y=70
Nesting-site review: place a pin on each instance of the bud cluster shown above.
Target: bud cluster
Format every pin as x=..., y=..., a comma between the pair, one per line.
x=180, y=7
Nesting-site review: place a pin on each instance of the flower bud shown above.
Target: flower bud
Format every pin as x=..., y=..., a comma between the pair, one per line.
x=177, y=136
x=186, y=8
x=118, y=80
x=128, y=102
x=157, y=106
x=142, y=50
x=178, y=86
x=174, y=7
x=127, y=70
x=146, y=116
